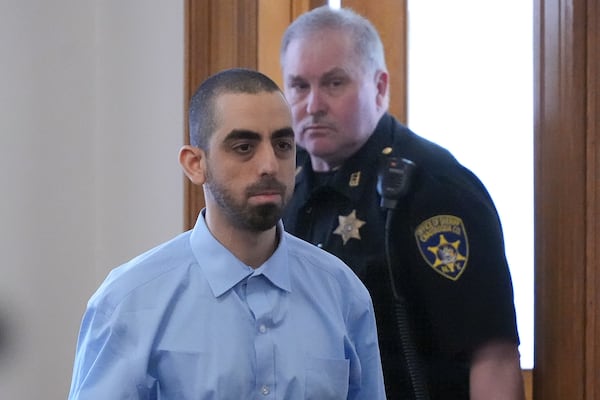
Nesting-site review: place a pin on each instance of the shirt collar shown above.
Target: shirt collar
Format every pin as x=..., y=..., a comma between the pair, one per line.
x=223, y=270
x=355, y=174
x=277, y=268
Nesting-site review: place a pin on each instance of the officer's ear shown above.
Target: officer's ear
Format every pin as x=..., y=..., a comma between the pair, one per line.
x=193, y=162
x=382, y=85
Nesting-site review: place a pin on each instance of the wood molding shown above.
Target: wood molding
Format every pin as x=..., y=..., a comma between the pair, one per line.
x=592, y=339
x=197, y=68
x=566, y=200
x=301, y=6
x=528, y=383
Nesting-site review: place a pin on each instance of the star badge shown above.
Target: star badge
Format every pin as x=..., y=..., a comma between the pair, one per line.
x=349, y=227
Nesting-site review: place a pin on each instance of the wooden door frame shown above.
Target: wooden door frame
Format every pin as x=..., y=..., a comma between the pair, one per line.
x=567, y=193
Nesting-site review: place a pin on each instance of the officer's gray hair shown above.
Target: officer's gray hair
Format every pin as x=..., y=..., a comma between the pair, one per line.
x=368, y=45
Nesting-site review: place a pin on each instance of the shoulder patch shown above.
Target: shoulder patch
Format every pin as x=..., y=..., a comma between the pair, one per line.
x=443, y=243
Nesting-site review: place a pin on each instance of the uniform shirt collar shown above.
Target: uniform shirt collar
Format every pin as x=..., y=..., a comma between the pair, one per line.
x=223, y=270
x=356, y=172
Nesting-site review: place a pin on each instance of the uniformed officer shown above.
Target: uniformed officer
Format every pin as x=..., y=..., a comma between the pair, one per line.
x=433, y=250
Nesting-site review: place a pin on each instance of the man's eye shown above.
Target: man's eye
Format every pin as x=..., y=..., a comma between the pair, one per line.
x=299, y=86
x=242, y=148
x=335, y=83
x=284, y=145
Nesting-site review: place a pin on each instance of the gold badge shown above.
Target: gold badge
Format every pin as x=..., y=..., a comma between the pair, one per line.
x=349, y=226
x=354, y=179
x=443, y=243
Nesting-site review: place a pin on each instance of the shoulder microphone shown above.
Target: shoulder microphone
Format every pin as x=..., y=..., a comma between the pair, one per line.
x=394, y=180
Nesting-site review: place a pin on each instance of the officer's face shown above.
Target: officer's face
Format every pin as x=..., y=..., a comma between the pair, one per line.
x=335, y=101
x=250, y=163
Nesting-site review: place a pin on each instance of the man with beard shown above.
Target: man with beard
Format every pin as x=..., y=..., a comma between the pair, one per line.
x=235, y=308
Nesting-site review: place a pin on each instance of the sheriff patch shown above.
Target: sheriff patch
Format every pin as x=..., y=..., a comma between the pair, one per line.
x=443, y=243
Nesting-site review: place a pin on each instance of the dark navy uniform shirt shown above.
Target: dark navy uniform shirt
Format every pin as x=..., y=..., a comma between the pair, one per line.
x=446, y=247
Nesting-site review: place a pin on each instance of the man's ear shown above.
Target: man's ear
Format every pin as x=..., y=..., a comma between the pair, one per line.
x=382, y=85
x=193, y=162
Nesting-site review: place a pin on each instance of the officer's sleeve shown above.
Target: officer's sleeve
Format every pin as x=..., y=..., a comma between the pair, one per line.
x=461, y=264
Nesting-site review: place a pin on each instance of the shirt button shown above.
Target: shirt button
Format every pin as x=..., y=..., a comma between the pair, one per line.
x=265, y=390
x=320, y=245
x=262, y=328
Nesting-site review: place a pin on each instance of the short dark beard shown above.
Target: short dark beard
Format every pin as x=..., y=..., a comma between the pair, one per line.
x=254, y=219
x=260, y=218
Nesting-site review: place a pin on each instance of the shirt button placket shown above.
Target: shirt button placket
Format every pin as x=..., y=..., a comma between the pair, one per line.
x=257, y=289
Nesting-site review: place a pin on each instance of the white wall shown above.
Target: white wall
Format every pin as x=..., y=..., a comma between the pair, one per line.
x=91, y=119
x=471, y=90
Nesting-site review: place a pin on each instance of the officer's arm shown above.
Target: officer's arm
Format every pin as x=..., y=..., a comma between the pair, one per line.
x=496, y=372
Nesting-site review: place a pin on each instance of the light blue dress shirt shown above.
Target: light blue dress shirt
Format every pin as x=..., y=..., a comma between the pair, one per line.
x=188, y=320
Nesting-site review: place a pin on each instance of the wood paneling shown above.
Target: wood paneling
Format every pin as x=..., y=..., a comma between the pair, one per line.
x=274, y=18
x=566, y=200
x=528, y=383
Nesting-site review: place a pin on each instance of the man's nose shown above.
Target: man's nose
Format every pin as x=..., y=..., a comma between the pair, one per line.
x=267, y=161
x=315, y=103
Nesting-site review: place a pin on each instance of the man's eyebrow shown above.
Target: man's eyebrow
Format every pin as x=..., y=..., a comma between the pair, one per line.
x=237, y=134
x=335, y=72
x=295, y=77
x=247, y=134
x=283, y=133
